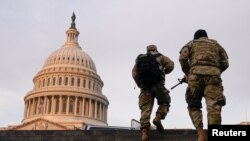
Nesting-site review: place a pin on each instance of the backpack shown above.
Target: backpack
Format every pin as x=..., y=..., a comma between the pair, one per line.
x=148, y=70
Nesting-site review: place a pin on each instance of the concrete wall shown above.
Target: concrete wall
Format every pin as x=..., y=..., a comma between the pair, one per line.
x=96, y=135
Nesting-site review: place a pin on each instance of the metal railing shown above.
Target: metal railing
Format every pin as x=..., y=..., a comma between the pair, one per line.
x=135, y=124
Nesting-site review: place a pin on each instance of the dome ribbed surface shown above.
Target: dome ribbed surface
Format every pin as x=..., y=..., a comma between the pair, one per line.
x=73, y=56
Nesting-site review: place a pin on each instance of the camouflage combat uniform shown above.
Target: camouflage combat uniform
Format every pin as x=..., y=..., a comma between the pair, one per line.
x=158, y=91
x=203, y=60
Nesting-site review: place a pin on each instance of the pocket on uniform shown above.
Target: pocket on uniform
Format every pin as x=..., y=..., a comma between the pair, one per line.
x=144, y=99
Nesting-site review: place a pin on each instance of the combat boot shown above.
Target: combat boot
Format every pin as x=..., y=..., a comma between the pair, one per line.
x=144, y=136
x=157, y=123
x=201, y=134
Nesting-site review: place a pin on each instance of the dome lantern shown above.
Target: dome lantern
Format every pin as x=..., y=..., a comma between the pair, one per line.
x=72, y=34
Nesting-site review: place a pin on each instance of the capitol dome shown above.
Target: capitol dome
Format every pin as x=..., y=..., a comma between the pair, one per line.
x=67, y=90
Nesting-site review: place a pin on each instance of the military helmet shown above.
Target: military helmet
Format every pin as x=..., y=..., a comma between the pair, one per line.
x=151, y=48
x=200, y=33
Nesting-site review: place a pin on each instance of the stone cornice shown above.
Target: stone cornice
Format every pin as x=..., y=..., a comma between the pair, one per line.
x=86, y=94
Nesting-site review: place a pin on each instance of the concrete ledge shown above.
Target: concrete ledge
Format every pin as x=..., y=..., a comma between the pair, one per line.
x=96, y=135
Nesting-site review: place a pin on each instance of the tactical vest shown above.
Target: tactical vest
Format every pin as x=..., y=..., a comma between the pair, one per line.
x=204, y=57
x=148, y=70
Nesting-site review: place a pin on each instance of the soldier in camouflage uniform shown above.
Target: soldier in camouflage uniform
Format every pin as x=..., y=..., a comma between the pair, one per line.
x=158, y=91
x=203, y=60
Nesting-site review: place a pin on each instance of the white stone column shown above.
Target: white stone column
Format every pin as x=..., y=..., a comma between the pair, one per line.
x=28, y=112
x=57, y=81
x=60, y=105
x=63, y=80
x=33, y=106
x=53, y=105
x=76, y=99
x=103, y=112
x=67, y=107
x=83, y=106
x=38, y=105
x=29, y=107
x=48, y=105
x=100, y=111
x=75, y=83
x=90, y=107
x=25, y=109
x=87, y=84
x=44, y=105
x=95, y=115
x=81, y=82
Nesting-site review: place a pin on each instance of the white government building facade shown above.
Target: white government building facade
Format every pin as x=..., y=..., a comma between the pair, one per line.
x=67, y=92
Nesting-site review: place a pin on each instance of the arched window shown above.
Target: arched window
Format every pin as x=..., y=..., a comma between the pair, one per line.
x=48, y=81
x=60, y=80
x=86, y=63
x=43, y=82
x=40, y=84
x=90, y=65
x=93, y=85
x=72, y=81
x=78, y=82
x=66, y=81
x=77, y=60
x=89, y=84
x=84, y=83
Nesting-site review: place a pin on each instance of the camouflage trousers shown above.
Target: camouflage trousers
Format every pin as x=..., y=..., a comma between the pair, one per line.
x=209, y=87
x=146, y=103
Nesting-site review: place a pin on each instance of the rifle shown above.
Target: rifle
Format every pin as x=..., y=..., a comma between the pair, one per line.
x=181, y=80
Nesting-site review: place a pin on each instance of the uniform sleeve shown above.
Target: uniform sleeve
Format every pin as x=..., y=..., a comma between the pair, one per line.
x=168, y=64
x=223, y=59
x=183, y=59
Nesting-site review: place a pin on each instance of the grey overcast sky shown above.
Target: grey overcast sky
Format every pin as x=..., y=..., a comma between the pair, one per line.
x=113, y=33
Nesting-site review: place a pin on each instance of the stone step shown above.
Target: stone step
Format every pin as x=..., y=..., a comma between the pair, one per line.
x=97, y=135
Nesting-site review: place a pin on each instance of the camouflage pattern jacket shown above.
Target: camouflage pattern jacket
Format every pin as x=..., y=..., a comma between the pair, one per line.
x=203, y=56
